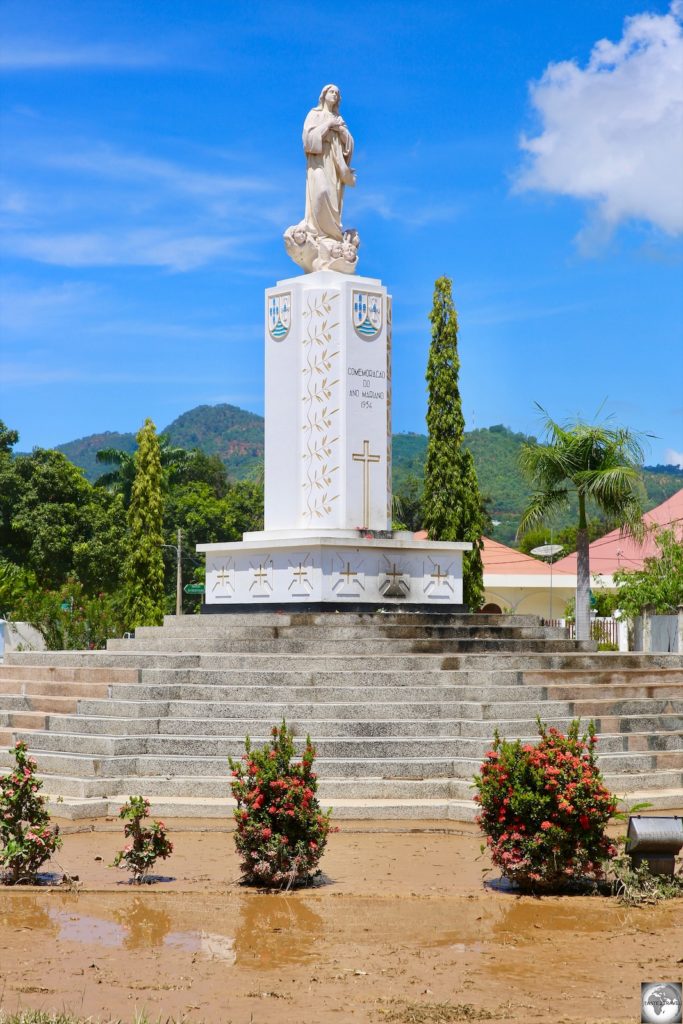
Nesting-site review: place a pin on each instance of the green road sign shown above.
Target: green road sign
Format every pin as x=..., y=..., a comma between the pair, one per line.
x=194, y=588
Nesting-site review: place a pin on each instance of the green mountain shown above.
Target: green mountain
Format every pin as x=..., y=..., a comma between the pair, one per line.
x=83, y=451
x=225, y=430
x=237, y=436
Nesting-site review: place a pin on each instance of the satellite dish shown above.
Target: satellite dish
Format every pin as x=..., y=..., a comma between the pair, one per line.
x=547, y=550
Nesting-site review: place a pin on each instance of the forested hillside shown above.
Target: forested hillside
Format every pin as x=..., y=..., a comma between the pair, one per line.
x=236, y=436
x=225, y=430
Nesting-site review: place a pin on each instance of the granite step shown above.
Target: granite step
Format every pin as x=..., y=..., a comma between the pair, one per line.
x=271, y=706
x=605, y=677
x=317, y=694
x=328, y=747
x=406, y=720
x=327, y=729
x=376, y=646
x=143, y=660
x=12, y=672
x=23, y=720
x=622, y=772
x=345, y=632
x=343, y=809
x=219, y=786
x=554, y=691
x=54, y=689
x=342, y=620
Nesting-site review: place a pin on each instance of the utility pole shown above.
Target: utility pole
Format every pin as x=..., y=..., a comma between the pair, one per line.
x=179, y=575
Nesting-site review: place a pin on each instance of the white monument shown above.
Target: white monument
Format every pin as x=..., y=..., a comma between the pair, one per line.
x=327, y=540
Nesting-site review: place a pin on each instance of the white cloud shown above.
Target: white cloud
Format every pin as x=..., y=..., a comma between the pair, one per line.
x=154, y=248
x=108, y=207
x=106, y=162
x=673, y=458
x=612, y=132
x=22, y=55
x=26, y=308
x=403, y=207
x=29, y=375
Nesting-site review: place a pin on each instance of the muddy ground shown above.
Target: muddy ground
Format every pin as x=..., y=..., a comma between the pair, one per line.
x=403, y=923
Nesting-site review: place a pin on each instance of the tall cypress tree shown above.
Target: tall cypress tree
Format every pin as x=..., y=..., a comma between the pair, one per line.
x=144, y=570
x=452, y=503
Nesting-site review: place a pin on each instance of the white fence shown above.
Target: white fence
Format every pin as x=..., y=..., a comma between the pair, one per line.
x=604, y=629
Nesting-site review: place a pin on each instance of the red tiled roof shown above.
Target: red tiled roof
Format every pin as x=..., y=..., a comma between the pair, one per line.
x=505, y=561
x=614, y=551
x=501, y=560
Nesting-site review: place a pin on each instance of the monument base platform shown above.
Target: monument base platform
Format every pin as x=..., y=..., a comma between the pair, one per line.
x=318, y=607
x=331, y=572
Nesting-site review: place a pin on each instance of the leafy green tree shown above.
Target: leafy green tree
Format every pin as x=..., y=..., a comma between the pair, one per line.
x=15, y=582
x=407, y=504
x=658, y=583
x=204, y=469
x=597, y=464
x=244, y=508
x=55, y=523
x=8, y=439
x=452, y=504
x=144, y=569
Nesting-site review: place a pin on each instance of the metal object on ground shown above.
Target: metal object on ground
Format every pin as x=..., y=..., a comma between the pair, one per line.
x=655, y=840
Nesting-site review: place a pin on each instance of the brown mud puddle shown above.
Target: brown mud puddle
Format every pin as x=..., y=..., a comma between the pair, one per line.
x=404, y=920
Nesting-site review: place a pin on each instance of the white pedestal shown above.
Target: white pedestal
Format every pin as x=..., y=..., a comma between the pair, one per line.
x=329, y=570
x=328, y=407
x=327, y=540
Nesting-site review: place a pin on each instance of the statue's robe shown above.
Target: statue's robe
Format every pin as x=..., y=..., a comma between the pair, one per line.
x=328, y=171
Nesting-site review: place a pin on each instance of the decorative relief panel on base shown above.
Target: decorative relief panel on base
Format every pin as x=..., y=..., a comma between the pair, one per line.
x=357, y=573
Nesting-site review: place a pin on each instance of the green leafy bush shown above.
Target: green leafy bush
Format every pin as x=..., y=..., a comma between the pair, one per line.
x=147, y=844
x=70, y=619
x=281, y=830
x=659, y=583
x=544, y=809
x=26, y=838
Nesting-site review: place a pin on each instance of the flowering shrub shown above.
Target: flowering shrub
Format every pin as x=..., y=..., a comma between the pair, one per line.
x=147, y=845
x=544, y=809
x=26, y=839
x=281, y=830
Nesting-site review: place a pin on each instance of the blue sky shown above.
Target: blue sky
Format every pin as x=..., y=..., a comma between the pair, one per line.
x=530, y=151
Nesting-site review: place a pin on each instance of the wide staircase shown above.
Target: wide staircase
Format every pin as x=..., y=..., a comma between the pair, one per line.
x=401, y=708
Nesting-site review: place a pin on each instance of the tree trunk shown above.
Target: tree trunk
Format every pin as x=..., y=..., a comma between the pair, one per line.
x=583, y=586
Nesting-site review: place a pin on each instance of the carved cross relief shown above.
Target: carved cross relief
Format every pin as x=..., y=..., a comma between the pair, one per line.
x=366, y=458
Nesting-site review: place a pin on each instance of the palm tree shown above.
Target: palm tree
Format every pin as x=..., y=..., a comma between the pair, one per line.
x=120, y=480
x=600, y=465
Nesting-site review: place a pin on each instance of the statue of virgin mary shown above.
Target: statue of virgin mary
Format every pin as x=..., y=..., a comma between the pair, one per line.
x=319, y=241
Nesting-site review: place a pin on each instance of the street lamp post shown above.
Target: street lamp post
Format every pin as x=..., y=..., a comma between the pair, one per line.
x=178, y=548
x=548, y=551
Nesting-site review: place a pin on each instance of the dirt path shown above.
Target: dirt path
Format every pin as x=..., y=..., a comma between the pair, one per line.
x=403, y=922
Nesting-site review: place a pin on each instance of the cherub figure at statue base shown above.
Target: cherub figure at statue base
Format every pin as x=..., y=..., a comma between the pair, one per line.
x=314, y=252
